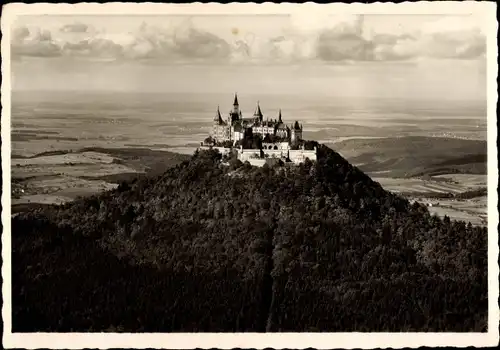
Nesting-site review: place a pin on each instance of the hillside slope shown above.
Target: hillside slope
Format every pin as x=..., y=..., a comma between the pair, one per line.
x=209, y=247
x=416, y=155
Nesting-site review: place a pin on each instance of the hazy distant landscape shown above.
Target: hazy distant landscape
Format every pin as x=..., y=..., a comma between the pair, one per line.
x=70, y=144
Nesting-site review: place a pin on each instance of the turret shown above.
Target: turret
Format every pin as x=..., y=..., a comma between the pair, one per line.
x=296, y=132
x=279, y=117
x=235, y=113
x=217, y=117
x=258, y=112
x=236, y=105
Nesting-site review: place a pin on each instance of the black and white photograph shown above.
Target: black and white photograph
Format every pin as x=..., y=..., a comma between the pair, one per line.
x=282, y=173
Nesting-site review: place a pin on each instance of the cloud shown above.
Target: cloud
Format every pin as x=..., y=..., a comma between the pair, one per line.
x=35, y=43
x=272, y=50
x=74, y=28
x=334, y=46
x=19, y=34
x=333, y=39
x=388, y=47
x=460, y=45
x=446, y=39
x=95, y=47
x=345, y=41
x=195, y=43
x=182, y=44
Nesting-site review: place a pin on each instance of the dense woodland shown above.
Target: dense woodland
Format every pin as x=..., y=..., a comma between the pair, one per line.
x=217, y=245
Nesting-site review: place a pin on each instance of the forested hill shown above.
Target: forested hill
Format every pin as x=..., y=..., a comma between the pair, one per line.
x=235, y=248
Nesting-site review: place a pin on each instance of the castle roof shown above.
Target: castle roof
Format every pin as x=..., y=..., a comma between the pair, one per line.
x=218, y=118
x=279, y=118
x=258, y=112
x=235, y=103
x=281, y=126
x=217, y=115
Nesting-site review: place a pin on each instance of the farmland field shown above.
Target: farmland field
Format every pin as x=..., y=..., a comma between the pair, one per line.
x=59, y=178
x=473, y=211
x=451, y=183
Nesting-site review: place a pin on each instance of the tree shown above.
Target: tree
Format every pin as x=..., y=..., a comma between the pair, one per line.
x=209, y=141
x=235, y=163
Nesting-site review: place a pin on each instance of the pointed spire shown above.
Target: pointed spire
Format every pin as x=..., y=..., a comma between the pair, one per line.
x=258, y=112
x=235, y=103
x=217, y=115
x=279, y=118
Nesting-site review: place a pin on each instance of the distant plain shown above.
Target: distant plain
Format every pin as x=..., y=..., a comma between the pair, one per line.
x=72, y=144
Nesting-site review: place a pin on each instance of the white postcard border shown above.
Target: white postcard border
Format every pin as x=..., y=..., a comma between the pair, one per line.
x=486, y=10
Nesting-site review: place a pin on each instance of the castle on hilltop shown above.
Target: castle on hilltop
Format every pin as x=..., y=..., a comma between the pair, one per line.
x=235, y=127
x=257, y=138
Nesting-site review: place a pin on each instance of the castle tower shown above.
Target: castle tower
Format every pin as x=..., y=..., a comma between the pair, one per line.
x=258, y=113
x=236, y=105
x=296, y=133
x=217, y=118
x=293, y=137
x=235, y=113
x=279, y=117
x=219, y=126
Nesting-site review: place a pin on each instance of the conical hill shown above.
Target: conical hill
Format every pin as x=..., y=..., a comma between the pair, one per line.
x=220, y=246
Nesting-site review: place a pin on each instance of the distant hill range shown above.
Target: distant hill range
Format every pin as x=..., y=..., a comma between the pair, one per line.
x=235, y=248
x=415, y=155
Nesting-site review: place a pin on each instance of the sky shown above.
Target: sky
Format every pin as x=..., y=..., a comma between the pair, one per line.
x=344, y=55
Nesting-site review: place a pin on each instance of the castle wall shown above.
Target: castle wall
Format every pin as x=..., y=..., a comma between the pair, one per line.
x=299, y=156
x=281, y=145
x=296, y=156
x=257, y=162
x=281, y=133
x=237, y=136
x=248, y=154
x=222, y=150
x=263, y=130
x=275, y=153
x=220, y=132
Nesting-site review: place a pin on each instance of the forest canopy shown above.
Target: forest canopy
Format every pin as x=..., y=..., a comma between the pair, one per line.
x=227, y=247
